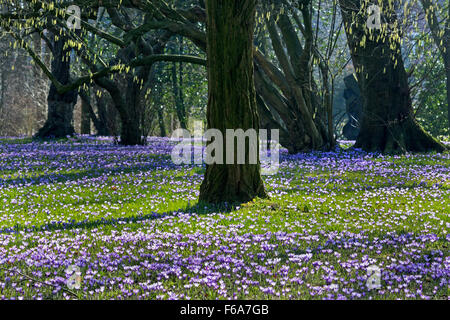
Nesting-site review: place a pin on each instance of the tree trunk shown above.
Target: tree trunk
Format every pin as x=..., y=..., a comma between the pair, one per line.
x=388, y=123
x=85, y=127
x=2, y=88
x=104, y=113
x=60, y=107
x=447, y=61
x=126, y=96
x=100, y=122
x=447, y=72
x=162, y=126
x=127, y=92
x=130, y=133
x=178, y=89
x=179, y=105
x=232, y=97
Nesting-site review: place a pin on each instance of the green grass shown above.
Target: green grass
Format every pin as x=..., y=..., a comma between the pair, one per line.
x=385, y=197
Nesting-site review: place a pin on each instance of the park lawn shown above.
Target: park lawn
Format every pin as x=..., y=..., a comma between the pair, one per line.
x=129, y=219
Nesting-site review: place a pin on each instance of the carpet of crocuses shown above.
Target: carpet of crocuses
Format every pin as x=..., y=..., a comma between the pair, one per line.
x=128, y=218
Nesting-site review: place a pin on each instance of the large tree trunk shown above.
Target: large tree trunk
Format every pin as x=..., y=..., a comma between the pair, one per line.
x=60, y=106
x=388, y=123
x=130, y=130
x=85, y=126
x=446, y=57
x=162, y=126
x=130, y=133
x=447, y=60
x=232, y=97
x=104, y=114
x=2, y=88
x=101, y=121
x=125, y=92
x=448, y=89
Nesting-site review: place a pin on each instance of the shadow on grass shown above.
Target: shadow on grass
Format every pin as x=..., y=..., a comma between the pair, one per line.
x=350, y=189
x=198, y=208
x=47, y=179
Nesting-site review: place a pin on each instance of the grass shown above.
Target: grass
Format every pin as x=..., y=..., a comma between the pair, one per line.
x=131, y=221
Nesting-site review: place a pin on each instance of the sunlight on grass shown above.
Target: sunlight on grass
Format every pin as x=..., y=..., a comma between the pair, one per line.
x=130, y=220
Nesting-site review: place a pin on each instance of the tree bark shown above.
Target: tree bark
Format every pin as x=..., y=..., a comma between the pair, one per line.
x=100, y=121
x=447, y=68
x=126, y=95
x=232, y=97
x=179, y=104
x=85, y=126
x=162, y=126
x=60, y=106
x=102, y=109
x=447, y=61
x=130, y=131
x=388, y=123
x=177, y=88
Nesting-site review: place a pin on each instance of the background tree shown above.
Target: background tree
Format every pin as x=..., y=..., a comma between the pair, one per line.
x=388, y=123
x=438, y=18
x=60, y=106
x=135, y=55
x=300, y=61
x=286, y=86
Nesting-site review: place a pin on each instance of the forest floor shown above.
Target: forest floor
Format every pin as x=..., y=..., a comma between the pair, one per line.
x=129, y=219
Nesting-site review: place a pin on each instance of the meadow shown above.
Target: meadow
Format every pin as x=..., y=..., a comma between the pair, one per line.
x=129, y=219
